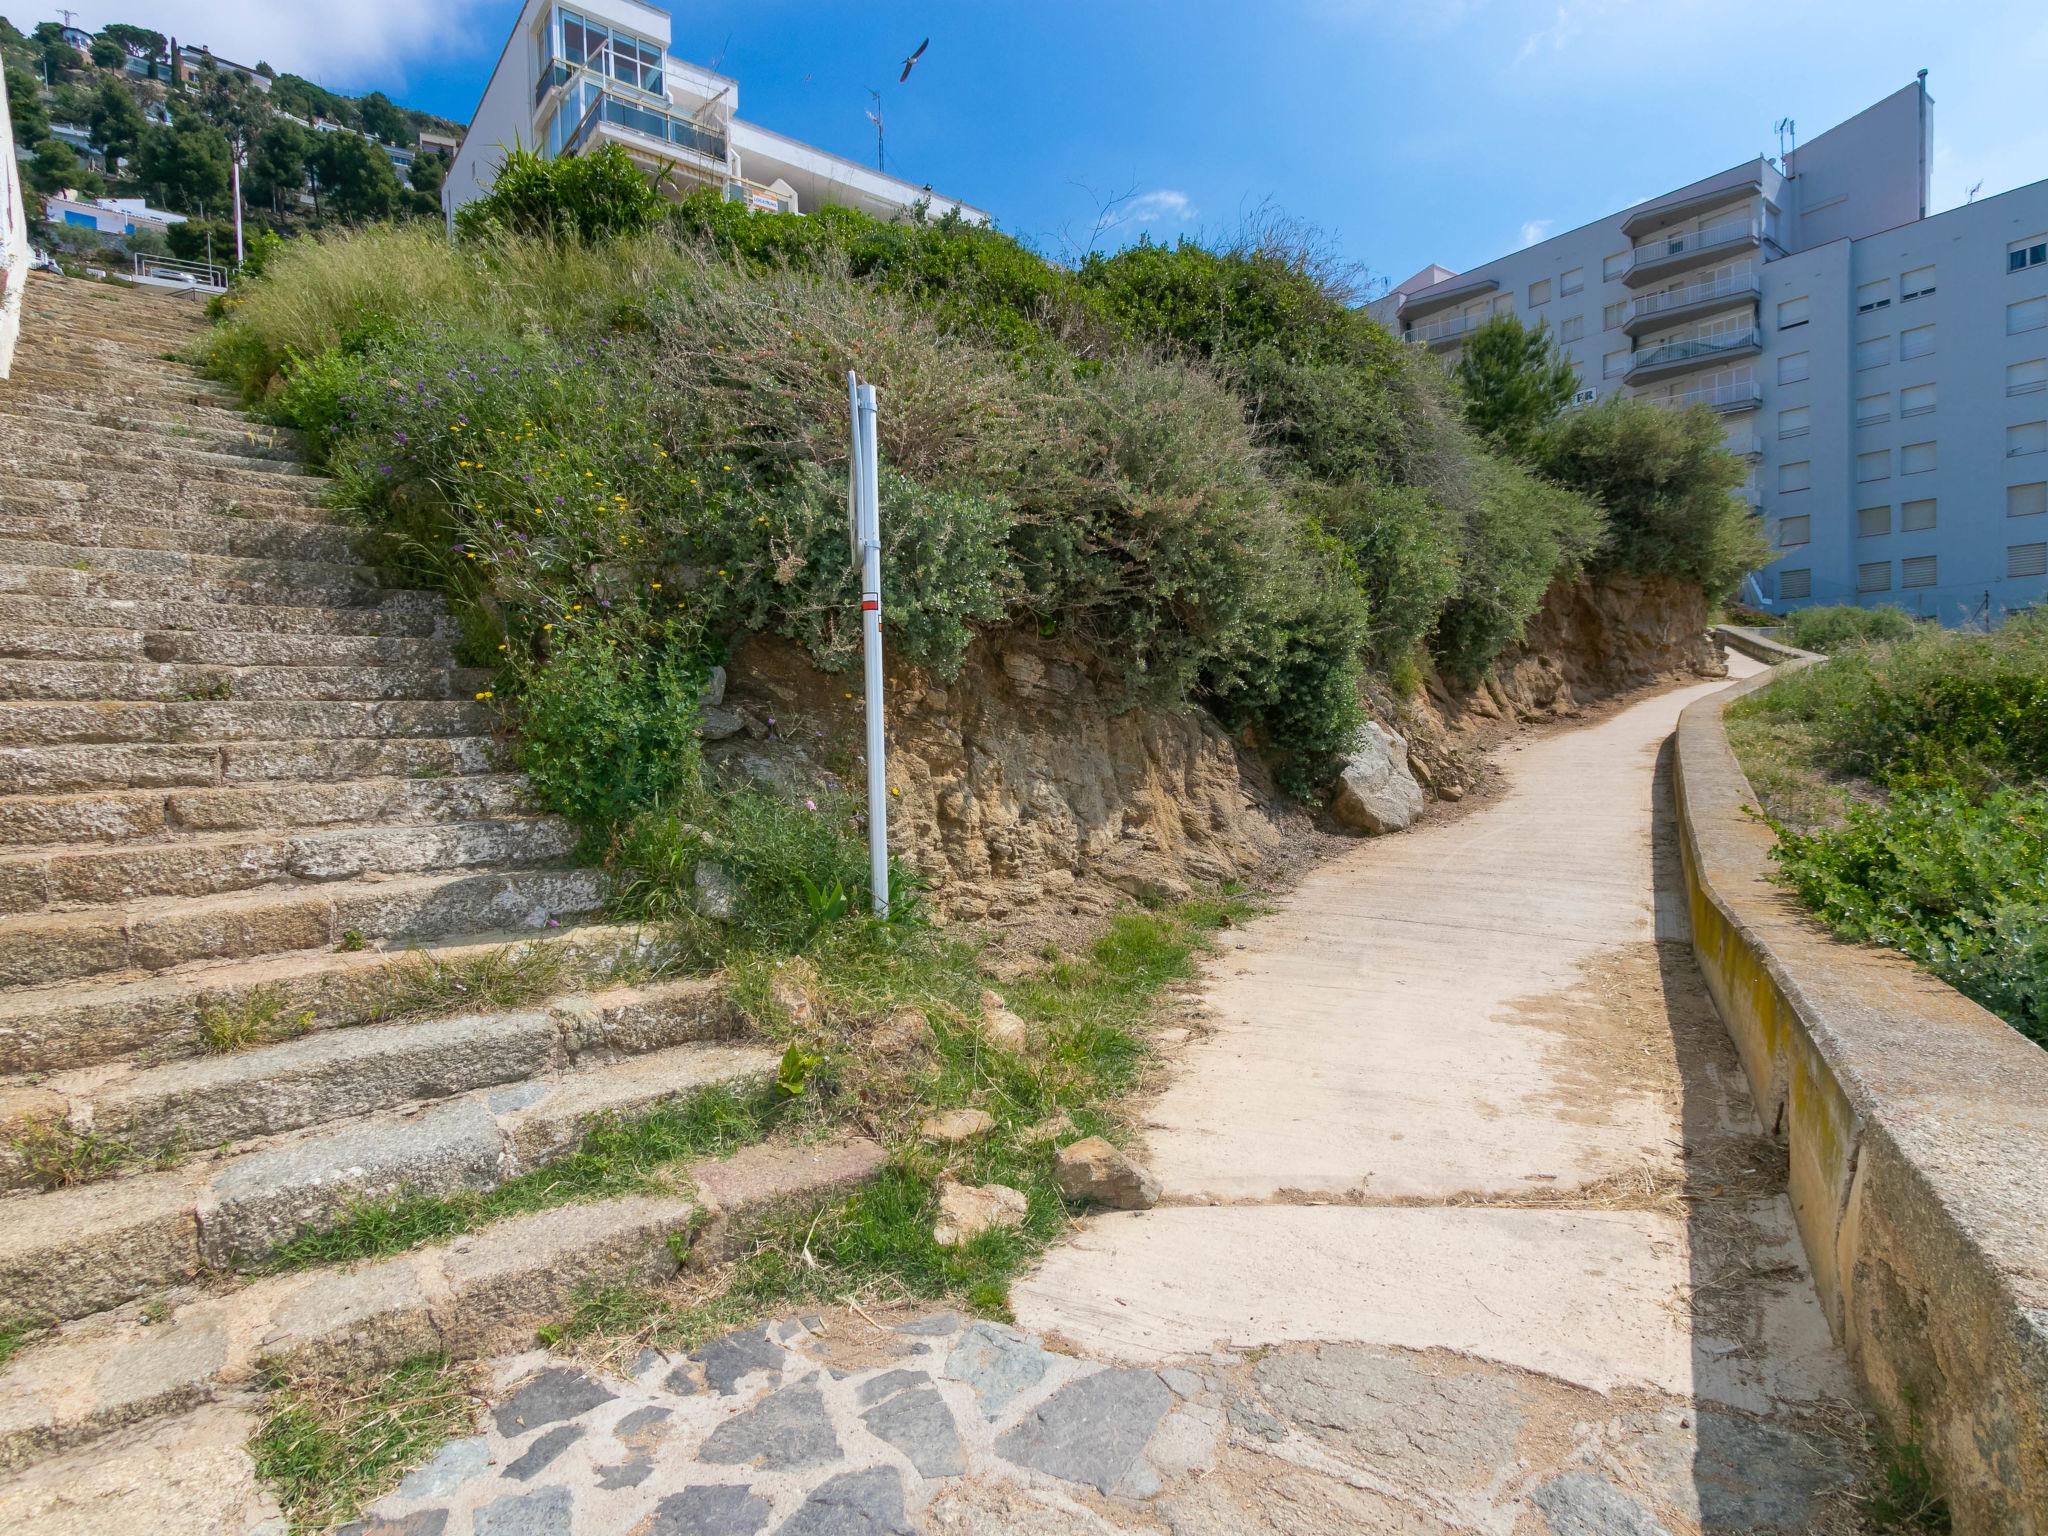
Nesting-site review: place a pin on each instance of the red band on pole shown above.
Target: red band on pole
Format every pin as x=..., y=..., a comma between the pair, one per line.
x=870, y=605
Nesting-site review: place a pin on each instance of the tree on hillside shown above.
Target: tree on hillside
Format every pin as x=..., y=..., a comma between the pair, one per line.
x=383, y=120
x=1664, y=478
x=278, y=163
x=108, y=54
x=229, y=102
x=117, y=123
x=356, y=178
x=139, y=42
x=25, y=107
x=57, y=168
x=185, y=165
x=428, y=172
x=57, y=57
x=1514, y=381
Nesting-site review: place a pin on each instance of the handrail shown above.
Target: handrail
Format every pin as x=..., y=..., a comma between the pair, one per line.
x=1686, y=347
x=1664, y=247
x=1693, y=293
x=199, y=274
x=1739, y=392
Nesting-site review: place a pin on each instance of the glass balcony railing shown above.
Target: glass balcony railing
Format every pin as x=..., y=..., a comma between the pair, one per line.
x=669, y=128
x=552, y=74
x=1740, y=285
x=1449, y=328
x=1687, y=242
x=1736, y=395
x=1694, y=349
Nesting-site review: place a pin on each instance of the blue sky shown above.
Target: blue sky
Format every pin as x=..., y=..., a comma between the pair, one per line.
x=1411, y=133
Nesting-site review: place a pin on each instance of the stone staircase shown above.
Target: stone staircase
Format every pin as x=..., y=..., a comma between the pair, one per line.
x=279, y=931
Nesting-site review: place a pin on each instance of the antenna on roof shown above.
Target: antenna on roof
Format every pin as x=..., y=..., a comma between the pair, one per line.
x=875, y=117
x=1786, y=129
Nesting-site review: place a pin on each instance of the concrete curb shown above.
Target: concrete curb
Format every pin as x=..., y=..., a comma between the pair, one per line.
x=1917, y=1127
x=1758, y=646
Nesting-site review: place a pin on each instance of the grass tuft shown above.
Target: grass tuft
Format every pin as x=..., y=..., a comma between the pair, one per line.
x=57, y=1157
x=260, y=1018
x=424, y=982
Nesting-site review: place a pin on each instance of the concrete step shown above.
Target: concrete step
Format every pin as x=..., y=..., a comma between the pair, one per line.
x=186, y=567
x=122, y=815
x=148, y=495
x=337, y=1074
x=400, y=613
x=193, y=865
x=20, y=452
x=116, y=426
x=266, y=583
x=219, y=648
x=481, y=1294
x=158, y=934
x=182, y=765
x=200, y=533
x=84, y=1023
x=74, y=724
x=73, y=1252
x=199, y=406
x=135, y=682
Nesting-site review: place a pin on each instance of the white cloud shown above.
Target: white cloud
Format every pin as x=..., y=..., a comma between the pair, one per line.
x=1570, y=20
x=1162, y=207
x=1536, y=230
x=361, y=43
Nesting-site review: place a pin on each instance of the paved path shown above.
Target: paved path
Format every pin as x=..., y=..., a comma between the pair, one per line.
x=1469, y=1228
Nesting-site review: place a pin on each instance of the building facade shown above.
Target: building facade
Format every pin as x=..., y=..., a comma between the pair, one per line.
x=573, y=77
x=1884, y=373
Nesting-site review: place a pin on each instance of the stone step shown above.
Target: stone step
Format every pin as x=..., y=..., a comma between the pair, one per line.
x=192, y=534
x=55, y=460
x=181, y=765
x=337, y=1074
x=134, y=427
x=73, y=724
x=400, y=613
x=214, y=649
x=73, y=1252
x=106, y=398
x=158, y=934
x=38, y=879
x=183, y=565
x=147, y=495
x=138, y=682
x=266, y=583
x=481, y=1294
x=82, y=1024
x=124, y=815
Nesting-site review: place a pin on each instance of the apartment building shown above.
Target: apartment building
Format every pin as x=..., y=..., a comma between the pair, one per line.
x=575, y=77
x=1885, y=373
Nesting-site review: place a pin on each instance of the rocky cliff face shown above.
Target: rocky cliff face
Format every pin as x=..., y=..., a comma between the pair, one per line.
x=1025, y=782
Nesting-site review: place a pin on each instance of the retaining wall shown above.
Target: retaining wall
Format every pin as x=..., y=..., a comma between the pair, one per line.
x=1917, y=1128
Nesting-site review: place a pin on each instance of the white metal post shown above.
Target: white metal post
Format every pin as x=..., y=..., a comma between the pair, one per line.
x=868, y=526
x=235, y=170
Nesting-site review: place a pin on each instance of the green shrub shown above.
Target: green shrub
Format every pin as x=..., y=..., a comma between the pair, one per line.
x=1836, y=628
x=596, y=195
x=1513, y=381
x=1405, y=544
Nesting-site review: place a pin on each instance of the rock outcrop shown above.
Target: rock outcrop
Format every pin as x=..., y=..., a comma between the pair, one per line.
x=1375, y=790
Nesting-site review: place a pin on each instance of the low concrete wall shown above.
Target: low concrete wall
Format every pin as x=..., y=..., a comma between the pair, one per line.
x=1917, y=1127
x=1759, y=646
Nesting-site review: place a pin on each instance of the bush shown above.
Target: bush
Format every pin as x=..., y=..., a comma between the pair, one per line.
x=596, y=195
x=1831, y=629
x=1513, y=381
x=1405, y=544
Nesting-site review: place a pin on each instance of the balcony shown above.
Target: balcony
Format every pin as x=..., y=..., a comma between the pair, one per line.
x=1689, y=352
x=1690, y=247
x=1447, y=332
x=1451, y=291
x=643, y=129
x=1738, y=395
x=1655, y=310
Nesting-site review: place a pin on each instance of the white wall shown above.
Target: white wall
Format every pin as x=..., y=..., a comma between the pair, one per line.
x=1867, y=174
x=503, y=119
x=13, y=239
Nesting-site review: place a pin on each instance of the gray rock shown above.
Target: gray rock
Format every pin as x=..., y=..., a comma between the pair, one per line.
x=1580, y=1504
x=1375, y=790
x=866, y=1503
x=1094, y=1431
x=710, y=1510
x=717, y=723
x=544, y=1449
x=544, y=1512
x=448, y=1469
x=998, y=1363
x=1092, y=1169
x=630, y=1473
x=726, y=1360
x=1183, y=1383
x=684, y=1381
x=919, y=1424
x=421, y=1522
x=714, y=690
x=641, y=1425
x=717, y=894
x=875, y=1388
x=929, y=1327
x=1731, y=1473
x=1254, y=1420
x=555, y=1394
x=788, y=1428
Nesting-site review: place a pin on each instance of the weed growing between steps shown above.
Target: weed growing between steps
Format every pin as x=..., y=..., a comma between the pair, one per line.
x=16, y=1334
x=257, y=1019
x=324, y=1447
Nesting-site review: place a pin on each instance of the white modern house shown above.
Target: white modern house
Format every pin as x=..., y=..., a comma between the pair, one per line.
x=1884, y=372
x=575, y=77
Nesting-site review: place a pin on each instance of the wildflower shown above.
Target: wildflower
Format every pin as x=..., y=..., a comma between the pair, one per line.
x=657, y=585
x=810, y=804
x=547, y=626
x=484, y=695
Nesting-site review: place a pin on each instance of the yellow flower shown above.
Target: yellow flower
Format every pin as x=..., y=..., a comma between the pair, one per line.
x=504, y=647
x=547, y=626
x=484, y=695
x=655, y=585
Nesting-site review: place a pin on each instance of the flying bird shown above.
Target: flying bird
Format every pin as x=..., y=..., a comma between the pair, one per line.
x=907, y=63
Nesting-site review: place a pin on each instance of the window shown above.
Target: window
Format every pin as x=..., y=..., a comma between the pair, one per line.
x=1874, y=466
x=1794, y=531
x=2027, y=500
x=1877, y=295
x=1793, y=367
x=1796, y=476
x=1916, y=284
x=1874, y=353
x=1916, y=399
x=1571, y=282
x=1871, y=409
x=2028, y=377
x=1613, y=266
x=1610, y=317
x=1916, y=458
x=1796, y=421
x=2028, y=437
x=1874, y=577
x=2027, y=315
x=1539, y=292
x=1614, y=364
x=2026, y=560
x=1917, y=342
x=2030, y=252
x=1916, y=516
x=1917, y=572
x=1794, y=584
x=1791, y=312
x=1873, y=522
x=1572, y=328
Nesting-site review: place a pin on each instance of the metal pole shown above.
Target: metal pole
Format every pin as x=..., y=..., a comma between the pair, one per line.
x=235, y=170
x=871, y=648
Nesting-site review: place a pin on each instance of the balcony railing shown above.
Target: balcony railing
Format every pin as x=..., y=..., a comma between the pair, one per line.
x=1740, y=285
x=671, y=129
x=1694, y=348
x=555, y=72
x=1449, y=328
x=756, y=196
x=1740, y=395
x=1692, y=241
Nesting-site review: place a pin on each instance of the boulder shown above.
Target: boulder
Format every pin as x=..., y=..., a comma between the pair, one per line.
x=967, y=1210
x=716, y=723
x=717, y=893
x=1095, y=1170
x=903, y=1034
x=957, y=1126
x=1375, y=790
x=1002, y=1027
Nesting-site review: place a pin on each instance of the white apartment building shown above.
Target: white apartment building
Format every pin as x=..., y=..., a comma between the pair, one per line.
x=1884, y=373
x=574, y=77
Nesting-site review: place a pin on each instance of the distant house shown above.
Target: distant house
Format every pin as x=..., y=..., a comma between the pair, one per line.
x=79, y=38
x=79, y=139
x=193, y=57
x=434, y=142
x=109, y=216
